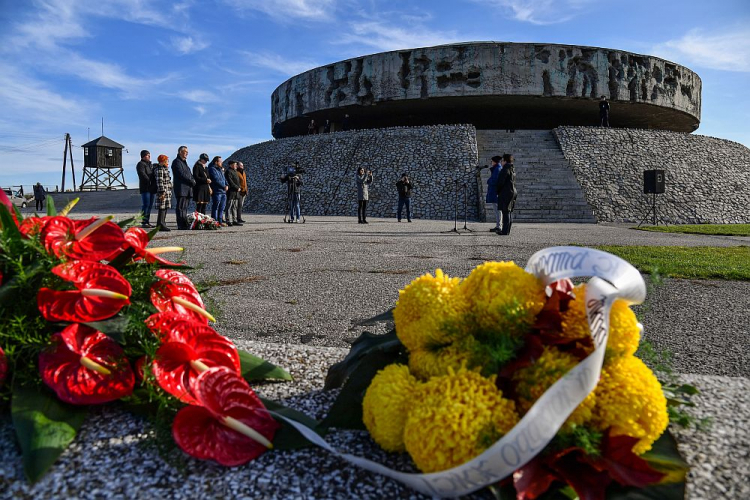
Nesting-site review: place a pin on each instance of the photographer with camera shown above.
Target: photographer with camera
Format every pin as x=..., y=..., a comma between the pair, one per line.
x=363, y=181
x=404, y=187
x=492, y=191
x=294, y=190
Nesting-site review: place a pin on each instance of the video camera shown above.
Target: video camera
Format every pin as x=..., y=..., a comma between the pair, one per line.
x=291, y=171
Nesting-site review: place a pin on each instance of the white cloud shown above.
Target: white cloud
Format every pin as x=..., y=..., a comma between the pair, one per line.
x=279, y=64
x=23, y=96
x=282, y=10
x=187, y=44
x=385, y=36
x=198, y=96
x=540, y=12
x=728, y=50
x=200, y=109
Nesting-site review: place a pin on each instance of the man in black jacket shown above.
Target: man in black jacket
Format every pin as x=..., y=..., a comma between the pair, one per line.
x=233, y=182
x=506, y=192
x=183, y=182
x=146, y=186
x=404, y=187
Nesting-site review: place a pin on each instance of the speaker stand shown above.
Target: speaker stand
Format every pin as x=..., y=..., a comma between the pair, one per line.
x=653, y=213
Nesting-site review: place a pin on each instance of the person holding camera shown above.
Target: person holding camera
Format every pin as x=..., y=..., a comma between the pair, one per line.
x=492, y=190
x=506, y=192
x=294, y=191
x=363, y=181
x=404, y=187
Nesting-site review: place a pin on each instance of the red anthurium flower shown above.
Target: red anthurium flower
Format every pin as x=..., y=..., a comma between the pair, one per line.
x=31, y=226
x=3, y=366
x=137, y=239
x=176, y=293
x=189, y=350
x=5, y=201
x=232, y=427
x=93, y=239
x=102, y=292
x=162, y=323
x=84, y=366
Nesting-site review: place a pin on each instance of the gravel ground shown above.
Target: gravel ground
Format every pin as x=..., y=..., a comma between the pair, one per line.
x=292, y=294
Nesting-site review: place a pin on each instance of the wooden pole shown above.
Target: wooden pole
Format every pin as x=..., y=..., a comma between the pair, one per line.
x=65, y=160
x=72, y=167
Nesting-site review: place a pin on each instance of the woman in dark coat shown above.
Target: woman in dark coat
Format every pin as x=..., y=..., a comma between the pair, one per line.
x=202, y=191
x=506, y=192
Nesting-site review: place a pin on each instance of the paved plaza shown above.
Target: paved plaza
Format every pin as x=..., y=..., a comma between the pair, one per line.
x=293, y=293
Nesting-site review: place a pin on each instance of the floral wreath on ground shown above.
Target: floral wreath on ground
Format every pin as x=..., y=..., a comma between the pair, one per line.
x=197, y=220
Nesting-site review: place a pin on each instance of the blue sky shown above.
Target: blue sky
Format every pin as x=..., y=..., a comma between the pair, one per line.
x=201, y=73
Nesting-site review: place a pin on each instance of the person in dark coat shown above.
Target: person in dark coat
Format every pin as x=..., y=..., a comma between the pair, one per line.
x=184, y=183
x=604, y=112
x=362, y=180
x=39, y=195
x=233, y=180
x=219, y=187
x=506, y=192
x=146, y=186
x=202, y=191
x=492, y=190
x=404, y=187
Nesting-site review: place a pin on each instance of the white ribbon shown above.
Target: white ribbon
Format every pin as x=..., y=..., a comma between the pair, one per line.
x=612, y=278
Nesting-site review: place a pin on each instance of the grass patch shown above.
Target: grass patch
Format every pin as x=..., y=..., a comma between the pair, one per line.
x=707, y=229
x=725, y=263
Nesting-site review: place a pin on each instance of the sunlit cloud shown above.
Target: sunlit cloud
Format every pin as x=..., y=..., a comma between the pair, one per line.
x=385, y=36
x=282, y=10
x=540, y=12
x=728, y=50
x=187, y=44
x=278, y=63
x=198, y=96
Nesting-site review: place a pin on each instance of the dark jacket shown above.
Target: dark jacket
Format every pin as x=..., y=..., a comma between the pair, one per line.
x=506, y=188
x=404, y=188
x=39, y=192
x=218, y=180
x=201, y=193
x=146, y=177
x=492, y=185
x=233, y=179
x=182, y=178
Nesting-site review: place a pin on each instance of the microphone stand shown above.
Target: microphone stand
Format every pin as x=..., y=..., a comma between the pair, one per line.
x=466, y=202
x=455, y=209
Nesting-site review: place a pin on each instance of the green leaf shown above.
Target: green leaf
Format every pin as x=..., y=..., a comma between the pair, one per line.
x=365, y=344
x=113, y=327
x=287, y=437
x=124, y=224
x=255, y=368
x=346, y=411
x=665, y=457
x=123, y=259
x=51, y=210
x=380, y=318
x=153, y=233
x=45, y=427
x=8, y=224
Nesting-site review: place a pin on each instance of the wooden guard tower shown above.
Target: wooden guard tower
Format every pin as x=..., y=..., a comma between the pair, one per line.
x=102, y=165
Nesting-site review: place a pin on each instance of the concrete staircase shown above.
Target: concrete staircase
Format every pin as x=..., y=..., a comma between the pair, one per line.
x=547, y=188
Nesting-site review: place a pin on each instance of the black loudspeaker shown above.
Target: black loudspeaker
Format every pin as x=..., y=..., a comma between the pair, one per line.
x=653, y=181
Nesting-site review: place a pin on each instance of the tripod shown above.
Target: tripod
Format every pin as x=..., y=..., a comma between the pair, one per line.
x=463, y=187
x=288, y=217
x=653, y=213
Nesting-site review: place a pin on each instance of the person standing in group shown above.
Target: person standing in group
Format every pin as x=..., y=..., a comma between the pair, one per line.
x=163, y=191
x=39, y=195
x=404, y=187
x=363, y=181
x=506, y=192
x=242, y=193
x=219, y=187
x=184, y=183
x=492, y=190
x=202, y=192
x=233, y=180
x=604, y=112
x=146, y=186
x=327, y=127
x=312, y=128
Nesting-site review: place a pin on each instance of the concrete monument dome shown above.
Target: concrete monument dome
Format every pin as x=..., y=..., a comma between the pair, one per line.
x=491, y=85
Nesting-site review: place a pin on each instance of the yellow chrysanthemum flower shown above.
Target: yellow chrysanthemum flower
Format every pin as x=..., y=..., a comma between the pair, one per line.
x=534, y=380
x=386, y=404
x=451, y=418
x=504, y=298
x=427, y=363
x=430, y=312
x=629, y=399
x=624, y=329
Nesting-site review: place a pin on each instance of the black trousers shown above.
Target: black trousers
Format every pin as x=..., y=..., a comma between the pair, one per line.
x=181, y=212
x=604, y=119
x=39, y=204
x=507, y=221
x=362, y=210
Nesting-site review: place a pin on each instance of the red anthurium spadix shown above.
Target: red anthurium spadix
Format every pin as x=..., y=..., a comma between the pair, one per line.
x=137, y=239
x=84, y=366
x=231, y=427
x=176, y=293
x=93, y=239
x=101, y=293
x=189, y=350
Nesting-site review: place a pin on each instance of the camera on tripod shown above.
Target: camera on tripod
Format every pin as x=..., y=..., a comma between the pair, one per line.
x=293, y=171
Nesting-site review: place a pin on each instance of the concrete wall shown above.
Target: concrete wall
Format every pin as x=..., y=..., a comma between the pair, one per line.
x=707, y=179
x=456, y=84
x=433, y=157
